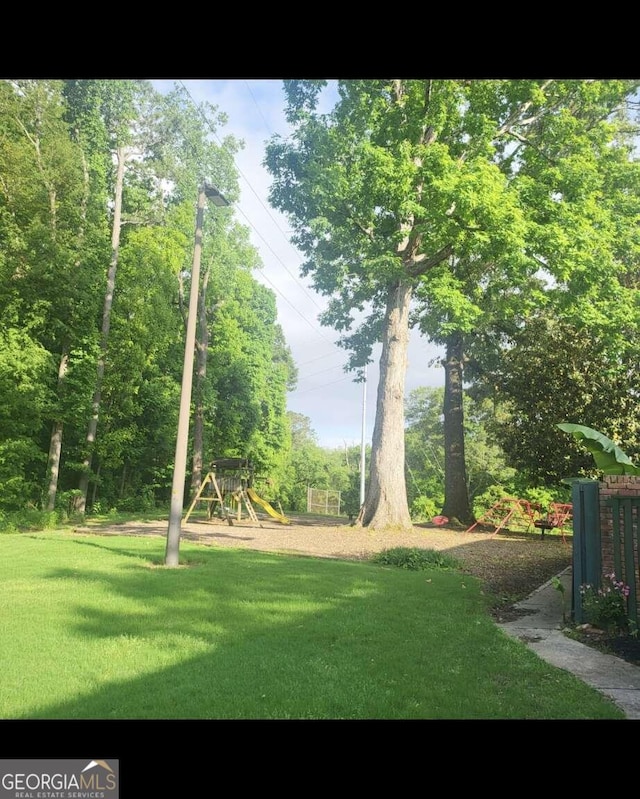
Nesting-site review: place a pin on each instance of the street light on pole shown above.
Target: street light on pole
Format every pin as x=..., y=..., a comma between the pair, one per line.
x=182, y=438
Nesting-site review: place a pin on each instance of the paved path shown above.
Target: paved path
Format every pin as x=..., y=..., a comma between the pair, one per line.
x=541, y=630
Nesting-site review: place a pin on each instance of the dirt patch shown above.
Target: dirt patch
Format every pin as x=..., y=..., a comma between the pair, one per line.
x=511, y=565
x=624, y=646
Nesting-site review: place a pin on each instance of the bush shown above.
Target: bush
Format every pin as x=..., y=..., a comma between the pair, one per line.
x=144, y=502
x=67, y=502
x=606, y=607
x=415, y=559
x=7, y=523
x=538, y=495
x=483, y=502
x=423, y=508
x=28, y=519
x=545, y=496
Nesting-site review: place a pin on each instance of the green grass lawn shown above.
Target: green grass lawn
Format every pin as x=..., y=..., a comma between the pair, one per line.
x=95, y=627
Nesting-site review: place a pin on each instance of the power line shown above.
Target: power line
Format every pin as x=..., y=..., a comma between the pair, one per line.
x=275, y=255
x=324, y=385
x=319, y=358
x=255, y=102
x=268, y=211
x=321, y=372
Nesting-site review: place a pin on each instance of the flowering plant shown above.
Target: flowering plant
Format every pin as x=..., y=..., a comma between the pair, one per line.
x=606, y=607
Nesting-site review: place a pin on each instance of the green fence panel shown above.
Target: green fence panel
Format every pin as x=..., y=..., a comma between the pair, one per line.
x=587, y=551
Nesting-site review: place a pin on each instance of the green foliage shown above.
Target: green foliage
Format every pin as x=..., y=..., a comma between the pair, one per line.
x=144, y=502
x=424, y=453
x=29, y=518
x=317, y=467
x=543, y=496
x=8, y=523
x=251, y=368
x=609, y=458
x=423, y=508
x=540, y=496
x=58, y=142
x=25, y=393
x=484, y=501
x=605, y=606
x=415, y=559
x=545, y=372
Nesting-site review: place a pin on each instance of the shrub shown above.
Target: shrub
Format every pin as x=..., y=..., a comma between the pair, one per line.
x=606, y=607
x=68, y=502
x=144, y=502
x=7, y=523
x=423, y=508
x=488, y=498
x=415, y=559
x=28, y=519
x=543, y=497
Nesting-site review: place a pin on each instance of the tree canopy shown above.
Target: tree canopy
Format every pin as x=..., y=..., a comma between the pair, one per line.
x=457, y=205
x=98, y=186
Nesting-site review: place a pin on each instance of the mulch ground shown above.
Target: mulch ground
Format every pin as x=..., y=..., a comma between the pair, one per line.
x=511, y=565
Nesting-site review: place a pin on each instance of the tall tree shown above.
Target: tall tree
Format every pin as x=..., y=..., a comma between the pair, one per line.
x=228, y=250
x=54, y=238
x=186, y=156
x=577, y=175
x=252, y=369
x=119, y=103
x=382, y=191
x=67, y=340
x=549, y=145
x=485, y=461
x=548, y=372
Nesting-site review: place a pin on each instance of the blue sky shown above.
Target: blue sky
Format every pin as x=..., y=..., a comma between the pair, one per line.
x=325, y=393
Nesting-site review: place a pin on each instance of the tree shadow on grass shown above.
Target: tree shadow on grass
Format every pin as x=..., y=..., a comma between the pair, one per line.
x=248, y=635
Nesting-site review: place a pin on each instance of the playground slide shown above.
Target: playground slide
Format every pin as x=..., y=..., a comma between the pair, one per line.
x=264, y=504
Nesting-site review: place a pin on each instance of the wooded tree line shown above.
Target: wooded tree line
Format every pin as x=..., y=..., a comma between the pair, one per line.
x=98, y=187
x=500, y=217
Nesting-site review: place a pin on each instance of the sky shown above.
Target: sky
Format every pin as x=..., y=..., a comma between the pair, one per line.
x=341, y=411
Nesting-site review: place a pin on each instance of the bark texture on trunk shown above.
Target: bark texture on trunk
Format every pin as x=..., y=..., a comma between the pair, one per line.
x=55, y=450
x=106, y=322
x=385, y=505
x=55, y=445
x=456, y=494
x=202, y=350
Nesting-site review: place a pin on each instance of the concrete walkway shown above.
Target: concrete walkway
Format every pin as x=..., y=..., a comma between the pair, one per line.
x=541, y=630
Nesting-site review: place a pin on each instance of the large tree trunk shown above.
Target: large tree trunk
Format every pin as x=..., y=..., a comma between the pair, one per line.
x=55, y=446
x=456, y=495
x=202, y=350
x=385, y=504
x=106, y=321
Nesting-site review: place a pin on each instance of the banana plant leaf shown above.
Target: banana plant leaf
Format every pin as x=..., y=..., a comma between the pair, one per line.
x=609, y=458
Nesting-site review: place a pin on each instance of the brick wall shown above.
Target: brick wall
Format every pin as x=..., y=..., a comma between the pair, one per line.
x=623, y=486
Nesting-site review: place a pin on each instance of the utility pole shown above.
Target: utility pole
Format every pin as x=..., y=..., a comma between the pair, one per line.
x=182, y=438
x=362, y=439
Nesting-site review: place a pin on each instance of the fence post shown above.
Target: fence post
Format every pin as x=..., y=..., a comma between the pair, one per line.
x=587, y=549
